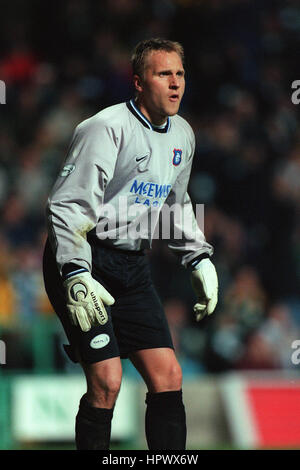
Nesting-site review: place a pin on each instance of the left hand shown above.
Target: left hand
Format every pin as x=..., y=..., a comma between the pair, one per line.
x=205, y=284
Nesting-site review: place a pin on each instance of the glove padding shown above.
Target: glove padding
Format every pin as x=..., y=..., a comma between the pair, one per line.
x=85, y=299
x=205, y=284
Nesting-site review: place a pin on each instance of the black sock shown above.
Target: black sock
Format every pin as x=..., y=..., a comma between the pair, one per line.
x=93, y=427
x=165, y=421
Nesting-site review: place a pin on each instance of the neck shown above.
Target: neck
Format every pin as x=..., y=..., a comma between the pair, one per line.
x=154, y=118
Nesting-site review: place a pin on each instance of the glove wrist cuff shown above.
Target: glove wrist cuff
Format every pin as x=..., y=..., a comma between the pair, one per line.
x=71, y=269
x=197, y=260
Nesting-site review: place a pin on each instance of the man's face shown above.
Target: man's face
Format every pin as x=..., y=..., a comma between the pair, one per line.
x=162, y=86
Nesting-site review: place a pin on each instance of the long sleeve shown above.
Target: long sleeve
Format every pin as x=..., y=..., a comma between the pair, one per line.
x=77, y=197
x=187, y=240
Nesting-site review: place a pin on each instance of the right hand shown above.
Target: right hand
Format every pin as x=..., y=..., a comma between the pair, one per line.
x=85, y=301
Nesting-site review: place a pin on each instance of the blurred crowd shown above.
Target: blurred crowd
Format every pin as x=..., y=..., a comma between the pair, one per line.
x=64, y=61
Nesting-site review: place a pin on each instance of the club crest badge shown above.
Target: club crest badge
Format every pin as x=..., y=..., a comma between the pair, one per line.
x=177, y=155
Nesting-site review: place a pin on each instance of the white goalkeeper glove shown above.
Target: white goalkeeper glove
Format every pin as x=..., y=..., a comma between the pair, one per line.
x=205, y=284
x=85, y=299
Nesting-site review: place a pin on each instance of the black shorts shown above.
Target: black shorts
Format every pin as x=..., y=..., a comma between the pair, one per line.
x=136, y=320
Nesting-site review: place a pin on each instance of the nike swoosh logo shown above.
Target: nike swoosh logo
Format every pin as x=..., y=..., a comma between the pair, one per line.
x=139, y=159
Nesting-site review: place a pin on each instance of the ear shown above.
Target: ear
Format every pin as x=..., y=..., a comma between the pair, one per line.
x=138, y=85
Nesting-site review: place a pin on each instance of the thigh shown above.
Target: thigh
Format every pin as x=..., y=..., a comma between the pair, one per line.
x=140, y=322
x=159, y=368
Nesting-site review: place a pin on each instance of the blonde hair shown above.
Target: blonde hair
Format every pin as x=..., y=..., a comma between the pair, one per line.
x=143, y=48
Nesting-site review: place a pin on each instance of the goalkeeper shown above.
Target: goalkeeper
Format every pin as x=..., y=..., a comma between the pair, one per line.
x=125, y=164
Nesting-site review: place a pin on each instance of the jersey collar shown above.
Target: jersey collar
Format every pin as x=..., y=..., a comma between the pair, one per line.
x=146, y=123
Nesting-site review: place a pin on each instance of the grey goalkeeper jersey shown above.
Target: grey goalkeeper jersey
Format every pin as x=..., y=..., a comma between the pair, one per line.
x=125, y=183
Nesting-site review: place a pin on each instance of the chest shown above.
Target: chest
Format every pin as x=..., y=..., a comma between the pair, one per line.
x=152, y=156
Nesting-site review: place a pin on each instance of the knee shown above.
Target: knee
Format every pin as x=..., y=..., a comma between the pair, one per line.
x=175, y=377
x=109, y=385
x=103, y=389
x=168, y=379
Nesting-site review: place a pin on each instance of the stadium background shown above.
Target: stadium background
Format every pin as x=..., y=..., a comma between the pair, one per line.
x=64, y=61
